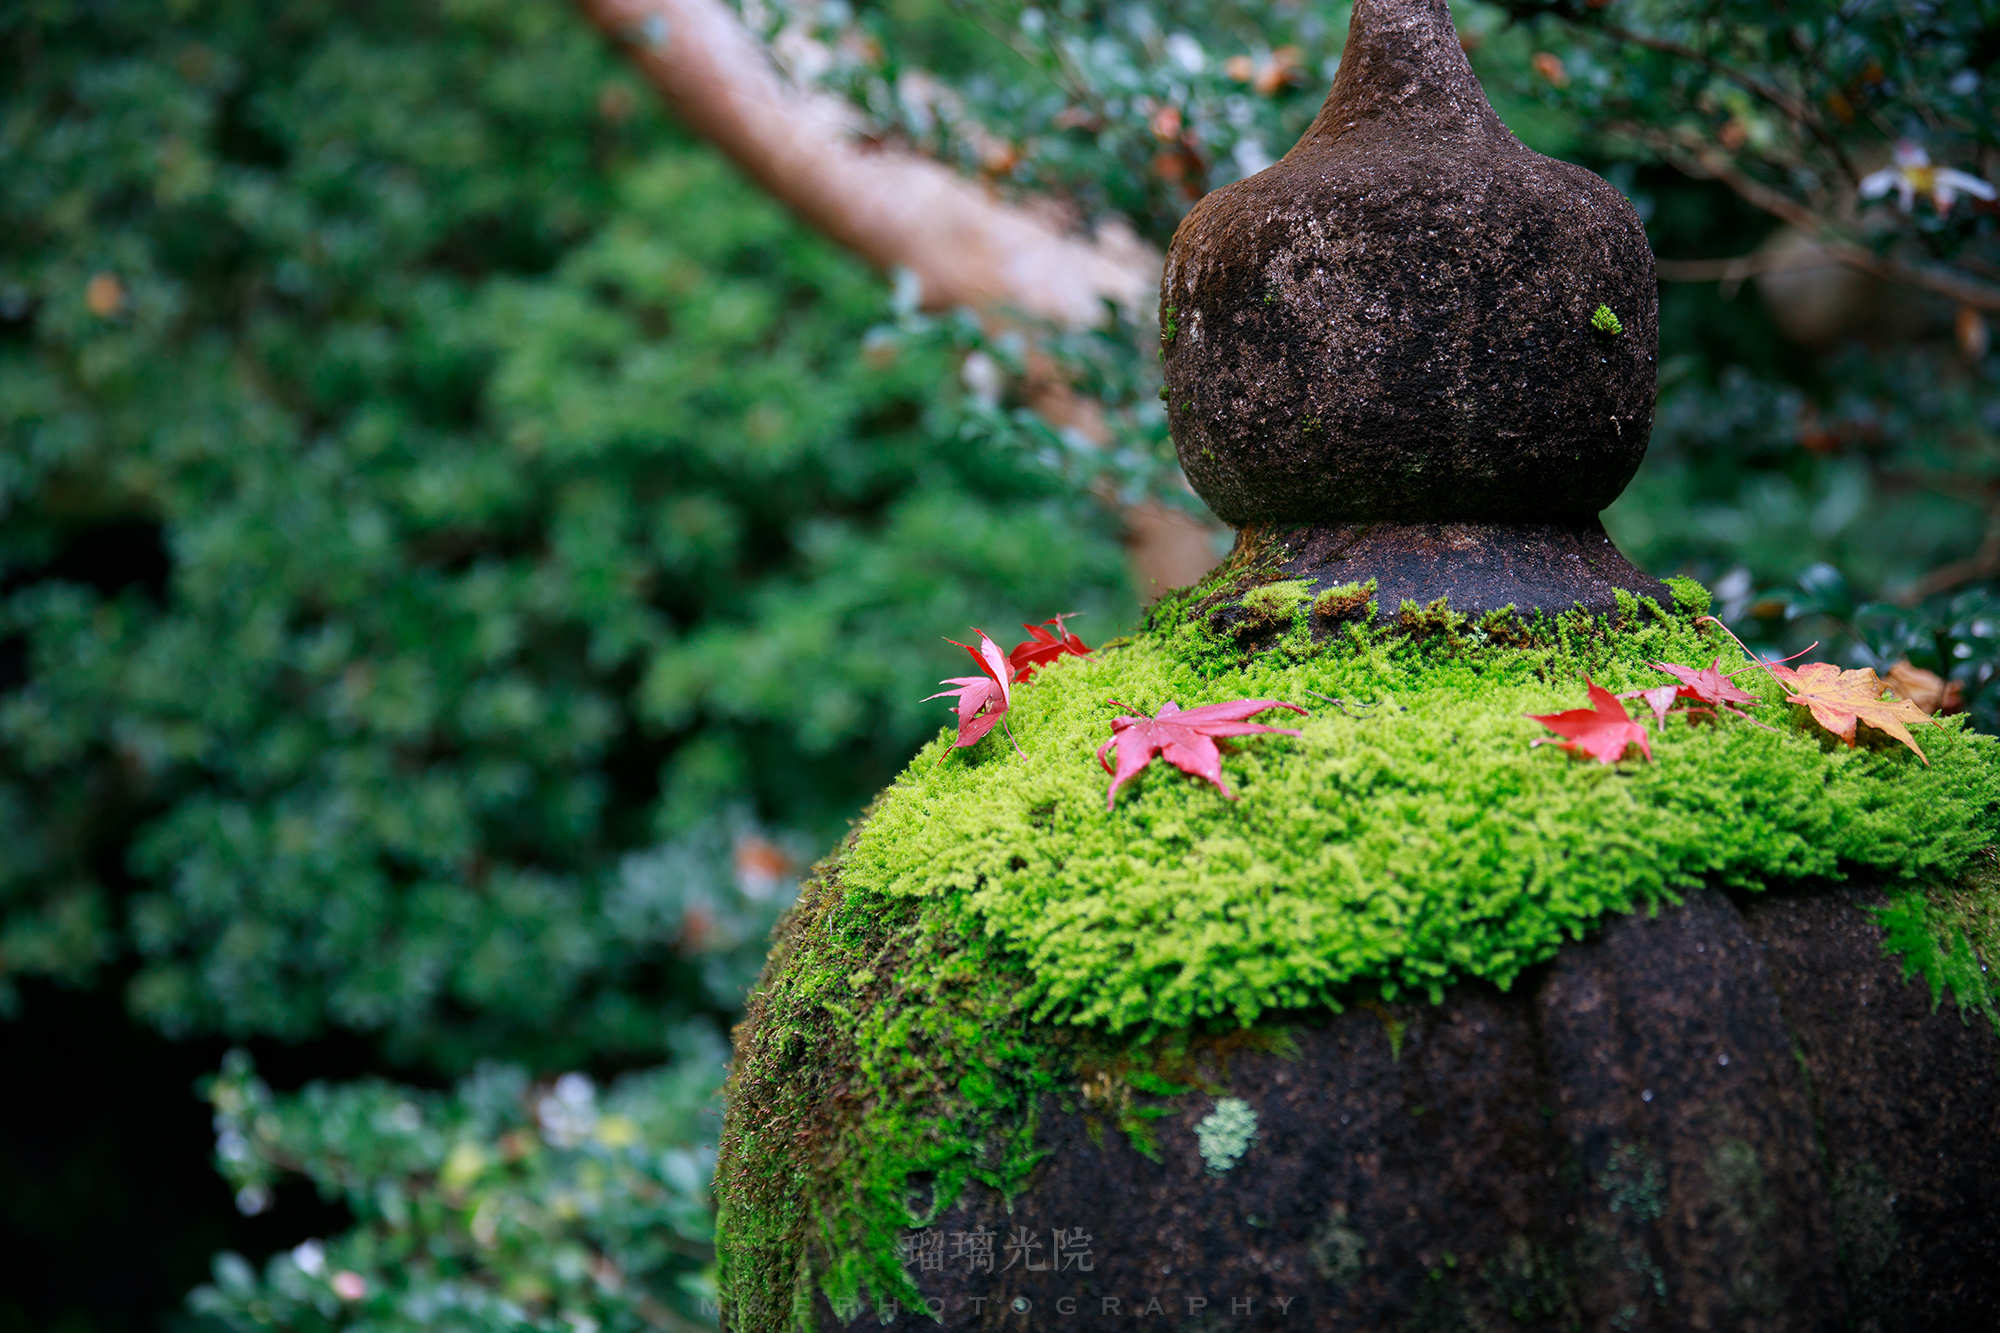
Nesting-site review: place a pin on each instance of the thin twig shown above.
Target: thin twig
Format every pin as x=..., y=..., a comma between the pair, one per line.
x=1705, y=164
x=1777, y=97
x=1983, y=563
x=1338, y=704
x=1755, y=660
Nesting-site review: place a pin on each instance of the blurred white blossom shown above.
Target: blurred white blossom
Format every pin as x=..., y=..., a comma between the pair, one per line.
x=310, y=1256
x=1186, y=52
x=568, y=1112
x=1911, y=173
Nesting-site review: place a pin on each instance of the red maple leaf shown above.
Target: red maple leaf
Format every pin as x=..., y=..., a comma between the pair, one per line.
x=1044, y=647
x=1186, y=739
x=1660, y=698
x=1601, y=731
x=1709, y=688
x=982, y=699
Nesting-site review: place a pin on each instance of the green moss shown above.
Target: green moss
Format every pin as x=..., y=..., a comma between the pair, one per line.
x=993, y=935
x=1633, y=1182
x=1278, y=603
x=1605, y=322
x=1413, y=846
x=1690, y=598
x=1949, y=935
x=1351, y=601
x=891, y=1063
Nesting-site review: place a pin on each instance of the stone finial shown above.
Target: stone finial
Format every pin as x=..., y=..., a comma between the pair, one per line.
x=1412, y=316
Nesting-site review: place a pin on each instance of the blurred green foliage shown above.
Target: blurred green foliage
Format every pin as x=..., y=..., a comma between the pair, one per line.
x=460, y=546
x=527, y=492
x=460, y=549
x=501, y=1204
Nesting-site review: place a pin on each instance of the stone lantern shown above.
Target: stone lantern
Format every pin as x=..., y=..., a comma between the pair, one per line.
x=1414, y=1026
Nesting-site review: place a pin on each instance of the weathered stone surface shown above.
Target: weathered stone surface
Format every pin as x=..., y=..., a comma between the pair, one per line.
x=1907, y=1105
x=1730, y=1116
x=1477, y=567
x=1394, y=321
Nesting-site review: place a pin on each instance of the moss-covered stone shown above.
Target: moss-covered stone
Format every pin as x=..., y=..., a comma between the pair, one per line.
x=991, y=936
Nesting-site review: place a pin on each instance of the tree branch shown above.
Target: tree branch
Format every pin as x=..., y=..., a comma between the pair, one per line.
x=899, y=209
x=895, y=209
x=1980, y=565
x=1706, y=164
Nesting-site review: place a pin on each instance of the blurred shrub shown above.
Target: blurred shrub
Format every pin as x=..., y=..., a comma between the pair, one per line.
x=427, y=480
x=505, y=1203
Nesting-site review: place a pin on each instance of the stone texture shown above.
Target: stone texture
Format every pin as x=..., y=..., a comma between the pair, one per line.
x=1394, y=321
x=1477, y=567
x=1732, y=1116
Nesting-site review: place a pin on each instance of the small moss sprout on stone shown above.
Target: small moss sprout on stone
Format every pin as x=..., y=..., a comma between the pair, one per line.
x=1604, y=321
x=1226, y=1133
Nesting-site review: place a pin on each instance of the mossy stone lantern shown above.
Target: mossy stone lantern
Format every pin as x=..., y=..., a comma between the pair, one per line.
x=1417, y=1026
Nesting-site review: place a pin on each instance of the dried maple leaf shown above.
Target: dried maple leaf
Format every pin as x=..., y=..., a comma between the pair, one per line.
x=1044, y=647
x=1186, y=739
x=1839, y=699
x=1601, y=731
x=982, y=700
x=1926, y=689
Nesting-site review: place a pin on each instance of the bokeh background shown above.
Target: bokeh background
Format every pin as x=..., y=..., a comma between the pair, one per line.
x=465, y=549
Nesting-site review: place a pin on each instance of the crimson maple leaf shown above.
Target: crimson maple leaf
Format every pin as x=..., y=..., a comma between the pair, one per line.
x=982, y=699
x=1601, y=731
x=1044, y=647
x=1187, y=739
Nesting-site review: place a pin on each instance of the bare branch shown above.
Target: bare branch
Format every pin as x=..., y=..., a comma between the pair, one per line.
x=894, y=208
x=1706, y=164
x=1980, y=565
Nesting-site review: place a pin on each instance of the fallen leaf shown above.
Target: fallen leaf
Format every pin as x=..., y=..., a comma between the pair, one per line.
x=1044, y=647
x=982, y=700
x=1839, y=699
x=1926, y=689
x=1187, y=739
x=1602, y=731
x=1660, y=698
x=1707, y=686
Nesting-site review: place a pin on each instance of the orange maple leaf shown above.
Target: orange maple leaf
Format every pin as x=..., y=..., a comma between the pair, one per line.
x=1839, y=699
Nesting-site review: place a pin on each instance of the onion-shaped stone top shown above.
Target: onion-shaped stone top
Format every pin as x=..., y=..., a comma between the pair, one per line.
x=1412, y=315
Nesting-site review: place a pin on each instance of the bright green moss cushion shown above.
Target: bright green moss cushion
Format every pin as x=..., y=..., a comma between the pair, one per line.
x=1413, y=838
